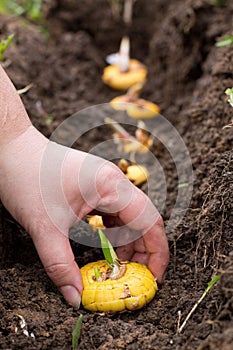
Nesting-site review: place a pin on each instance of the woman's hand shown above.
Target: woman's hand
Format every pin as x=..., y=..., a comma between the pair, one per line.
x=48, y=187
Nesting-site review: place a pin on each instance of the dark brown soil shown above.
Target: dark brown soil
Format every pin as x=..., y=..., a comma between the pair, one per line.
x=187, y=78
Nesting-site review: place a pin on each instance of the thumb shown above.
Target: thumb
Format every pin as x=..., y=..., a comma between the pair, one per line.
x=57, y=257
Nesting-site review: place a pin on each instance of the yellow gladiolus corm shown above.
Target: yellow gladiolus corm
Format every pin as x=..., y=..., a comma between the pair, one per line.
x=138, y=174
x=118, y=80
x=134, y=288
x=113, y=285
x=123, y=72
x=135, y=107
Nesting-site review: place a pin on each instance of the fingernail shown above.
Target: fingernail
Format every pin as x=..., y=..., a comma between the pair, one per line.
x=72, y=295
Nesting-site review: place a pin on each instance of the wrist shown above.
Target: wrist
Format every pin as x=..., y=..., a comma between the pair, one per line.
x=22, y=147
x=19, y=173
x=19, y=155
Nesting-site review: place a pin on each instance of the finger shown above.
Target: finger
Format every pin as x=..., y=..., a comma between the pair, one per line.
x=125, y=252
x=157, y=246
x=142, y=258
x=57, y=257
x=140, y=214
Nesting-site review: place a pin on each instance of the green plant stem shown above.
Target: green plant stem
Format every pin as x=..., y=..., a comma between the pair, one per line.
x=210, y=285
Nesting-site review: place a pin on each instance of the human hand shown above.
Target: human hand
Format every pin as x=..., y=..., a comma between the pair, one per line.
x=48, y=187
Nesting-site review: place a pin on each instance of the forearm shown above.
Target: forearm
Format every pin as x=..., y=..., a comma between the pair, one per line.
x=13, y=116
x=20, y=142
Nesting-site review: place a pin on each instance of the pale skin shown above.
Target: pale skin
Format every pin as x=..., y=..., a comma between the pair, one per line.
x=43, y=213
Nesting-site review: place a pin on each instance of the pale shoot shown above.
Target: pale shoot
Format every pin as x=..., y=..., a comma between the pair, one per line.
x=128, y=11
x=121, y=58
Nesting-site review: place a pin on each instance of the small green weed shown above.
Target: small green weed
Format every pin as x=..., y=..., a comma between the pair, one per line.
x=225, y=41
x=4, y=43
x=229, y=93
x=31, y=8
x=209, y=286
x=77, y=332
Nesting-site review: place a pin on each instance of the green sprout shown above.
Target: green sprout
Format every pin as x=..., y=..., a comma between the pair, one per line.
x=77, y=332
x=97, y=273
x=229, y=93
x=117, y=268
x=30, y=8
x=225, y=41
x=4, y=43
x=108, y=251
x=209, y=286
x=11, y=6
x=33, y=9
